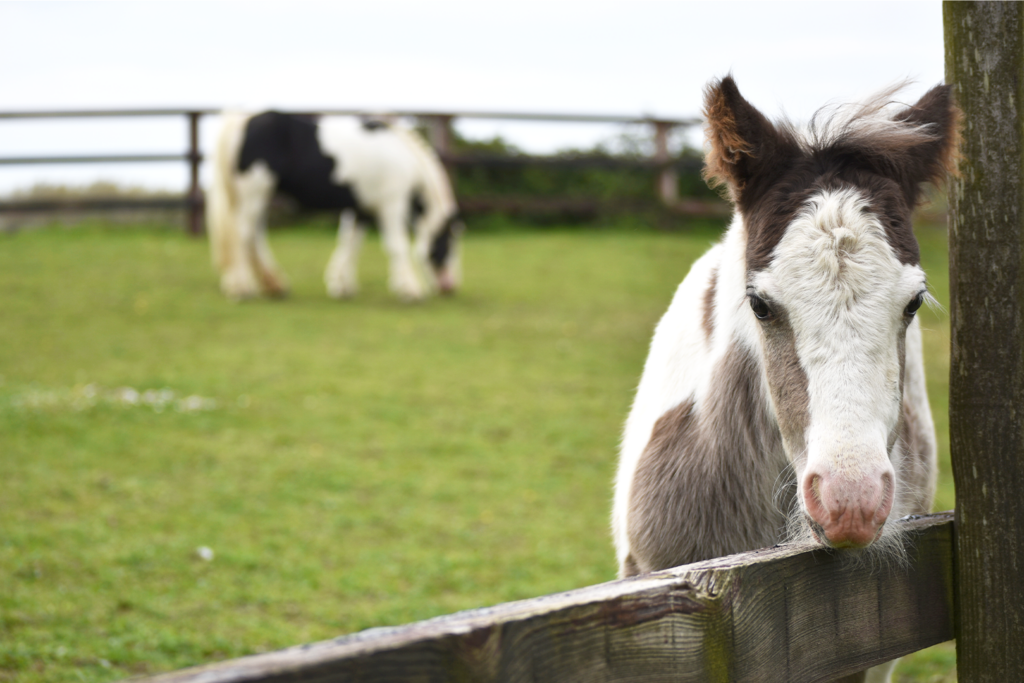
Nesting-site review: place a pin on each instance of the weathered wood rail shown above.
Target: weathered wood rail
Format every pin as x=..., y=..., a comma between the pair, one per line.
x=796, y=613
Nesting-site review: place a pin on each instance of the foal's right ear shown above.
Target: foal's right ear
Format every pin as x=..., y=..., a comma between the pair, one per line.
x=745, y=146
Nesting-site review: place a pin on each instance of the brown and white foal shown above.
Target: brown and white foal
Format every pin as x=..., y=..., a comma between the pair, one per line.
x=785, y=388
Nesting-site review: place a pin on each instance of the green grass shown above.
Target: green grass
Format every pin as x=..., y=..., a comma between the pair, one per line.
x=350, y=464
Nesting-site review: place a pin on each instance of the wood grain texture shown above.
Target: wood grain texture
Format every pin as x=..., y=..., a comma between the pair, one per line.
x=985, y=65
x=791, y=613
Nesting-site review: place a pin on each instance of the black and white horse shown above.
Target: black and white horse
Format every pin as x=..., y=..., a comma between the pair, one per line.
x=363, y=168
x=784, y=393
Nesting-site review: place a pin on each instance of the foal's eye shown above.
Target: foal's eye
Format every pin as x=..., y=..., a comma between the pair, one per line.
x=759, y=307
x=914, y=304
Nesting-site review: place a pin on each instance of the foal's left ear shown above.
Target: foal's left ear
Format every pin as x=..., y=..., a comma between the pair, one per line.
x=746, y=148
x=938, y=150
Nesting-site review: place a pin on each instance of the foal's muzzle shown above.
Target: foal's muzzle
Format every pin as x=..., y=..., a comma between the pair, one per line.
x=847, y=512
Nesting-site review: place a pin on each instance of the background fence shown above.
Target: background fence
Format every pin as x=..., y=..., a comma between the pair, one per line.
x=438, y=126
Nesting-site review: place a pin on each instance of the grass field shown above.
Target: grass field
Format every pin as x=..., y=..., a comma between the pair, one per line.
x=186, y=480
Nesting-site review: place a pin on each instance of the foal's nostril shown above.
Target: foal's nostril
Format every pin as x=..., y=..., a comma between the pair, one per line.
x=888, y=497
x=810, y=491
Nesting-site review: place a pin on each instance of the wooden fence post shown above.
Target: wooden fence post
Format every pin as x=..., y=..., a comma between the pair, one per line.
x=668, y=179
x=985, y=64
x=195, y=192
x=439, y=130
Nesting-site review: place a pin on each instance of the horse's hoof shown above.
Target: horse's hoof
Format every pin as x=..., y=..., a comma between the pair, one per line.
x=342, y=292
x=410, y=297
x=238, y=287
x=239, y=295
x=239, y=298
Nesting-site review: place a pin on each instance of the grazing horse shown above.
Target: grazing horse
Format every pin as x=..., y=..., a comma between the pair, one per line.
x=363, y=168
x=784, y=393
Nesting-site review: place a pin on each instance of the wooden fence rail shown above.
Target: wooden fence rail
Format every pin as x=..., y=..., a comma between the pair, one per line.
x=794, y=613
x=438, y=125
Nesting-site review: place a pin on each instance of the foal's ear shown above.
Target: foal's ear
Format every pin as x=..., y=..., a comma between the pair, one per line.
x=745, y=146
x=939, y=120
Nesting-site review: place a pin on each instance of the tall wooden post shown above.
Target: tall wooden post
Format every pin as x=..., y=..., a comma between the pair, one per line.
x=668, y=180
x=985, y=63
x=195, y=192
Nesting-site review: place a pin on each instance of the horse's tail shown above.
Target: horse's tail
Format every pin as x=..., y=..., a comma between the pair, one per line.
x=221, y=200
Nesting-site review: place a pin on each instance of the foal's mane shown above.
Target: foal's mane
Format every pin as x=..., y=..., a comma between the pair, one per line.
x=871, y=124
x=886, y=129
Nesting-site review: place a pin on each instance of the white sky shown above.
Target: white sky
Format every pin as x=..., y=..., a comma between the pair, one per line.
x=631, y=58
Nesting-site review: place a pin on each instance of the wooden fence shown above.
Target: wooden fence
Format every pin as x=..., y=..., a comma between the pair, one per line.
x=438, y=125
x=790, y=613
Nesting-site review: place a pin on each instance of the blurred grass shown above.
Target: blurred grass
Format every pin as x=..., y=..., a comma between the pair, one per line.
x=365, y=463
x=935, y=664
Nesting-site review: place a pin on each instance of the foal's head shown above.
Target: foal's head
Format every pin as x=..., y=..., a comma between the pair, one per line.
x=833, y=283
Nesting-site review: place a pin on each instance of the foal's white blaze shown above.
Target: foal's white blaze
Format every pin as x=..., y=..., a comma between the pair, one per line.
x=839, y=285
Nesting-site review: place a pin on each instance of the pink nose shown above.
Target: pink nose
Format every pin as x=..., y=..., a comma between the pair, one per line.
x=849, y=512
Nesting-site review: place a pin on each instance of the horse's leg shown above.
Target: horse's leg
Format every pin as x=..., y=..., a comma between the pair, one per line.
x=271, y=278
x=404, y=280
x=342, y=274
x=254, y=189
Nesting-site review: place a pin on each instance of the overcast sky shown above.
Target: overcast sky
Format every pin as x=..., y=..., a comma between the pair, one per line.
x=632, y=58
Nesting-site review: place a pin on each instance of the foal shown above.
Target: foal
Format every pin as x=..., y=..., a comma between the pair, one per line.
x=784, y=393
